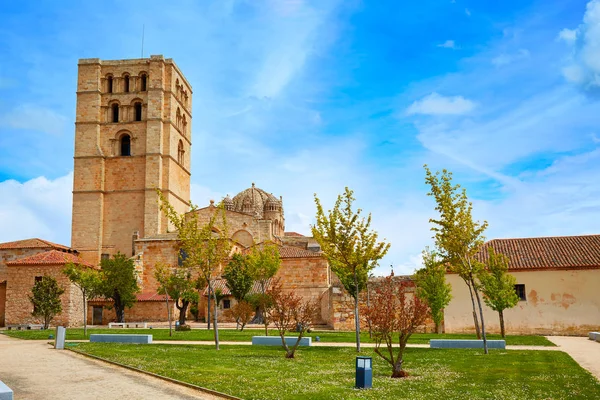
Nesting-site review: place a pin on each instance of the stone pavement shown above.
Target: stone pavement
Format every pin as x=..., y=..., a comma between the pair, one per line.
x=586, y=352
x=33, y=370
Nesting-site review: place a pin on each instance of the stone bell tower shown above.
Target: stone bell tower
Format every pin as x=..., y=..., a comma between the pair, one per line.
x=132, y=136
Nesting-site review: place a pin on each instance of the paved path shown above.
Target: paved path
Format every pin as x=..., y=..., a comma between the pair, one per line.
x=33, y=370
x=586, y=352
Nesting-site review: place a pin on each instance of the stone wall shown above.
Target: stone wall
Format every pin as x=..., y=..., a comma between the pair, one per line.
x=19, y=284
x=143, y=311
x=558, y=302
x=2, y=302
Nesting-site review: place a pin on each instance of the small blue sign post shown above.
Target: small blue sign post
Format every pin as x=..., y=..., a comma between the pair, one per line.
x=364, y=372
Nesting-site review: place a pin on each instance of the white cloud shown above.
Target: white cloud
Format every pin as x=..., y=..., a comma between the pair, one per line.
x=37, y=208
x=583, y=68
x=504, y=59
x=448, y=44
x=436, y=104
x=568, y=35
x=468, y=12
x=33, y=117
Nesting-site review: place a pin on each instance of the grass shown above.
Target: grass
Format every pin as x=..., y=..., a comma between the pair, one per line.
x=246, y=335
x=260, y=372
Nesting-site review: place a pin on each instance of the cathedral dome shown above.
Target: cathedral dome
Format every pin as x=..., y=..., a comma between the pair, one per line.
x=228, y=203
x=253, y=201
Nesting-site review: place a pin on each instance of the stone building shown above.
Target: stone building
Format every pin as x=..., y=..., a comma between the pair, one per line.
x=557, y=283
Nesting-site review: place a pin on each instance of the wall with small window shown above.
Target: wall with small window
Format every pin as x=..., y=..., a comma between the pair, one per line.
x=551, y=302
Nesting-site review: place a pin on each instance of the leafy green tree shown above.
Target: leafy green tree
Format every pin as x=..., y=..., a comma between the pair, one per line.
x=207, y=246
x=350, y=246
x=498, y=286
x=458, y=237
x=239, y=276
x=162, y=274
x=432, y=287
x=180, y=285
x=88, y=281
x=263, y=262
x=119, y=283
x=45, y=297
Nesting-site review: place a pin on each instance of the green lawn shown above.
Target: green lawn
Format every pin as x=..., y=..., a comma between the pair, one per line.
x=328, y=372
x=233, y=335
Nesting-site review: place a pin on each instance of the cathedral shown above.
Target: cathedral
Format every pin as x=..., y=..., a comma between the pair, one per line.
x=132, y=136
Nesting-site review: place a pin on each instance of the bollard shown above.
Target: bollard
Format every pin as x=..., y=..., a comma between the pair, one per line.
x=364, y=372
x=61, y=333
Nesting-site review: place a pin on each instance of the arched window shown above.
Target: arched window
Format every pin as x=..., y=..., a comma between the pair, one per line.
x=184, y=125
x=144, y=82
x=126, y=83
x=125, y=145
x=138, y=111
x=178, y=118
x=109, y=84
x=180, y=153
x=115, y=112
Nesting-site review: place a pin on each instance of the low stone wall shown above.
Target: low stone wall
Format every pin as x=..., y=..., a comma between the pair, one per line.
x=148, y=311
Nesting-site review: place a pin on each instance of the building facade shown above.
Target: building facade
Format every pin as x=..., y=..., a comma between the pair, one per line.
x=557, y=282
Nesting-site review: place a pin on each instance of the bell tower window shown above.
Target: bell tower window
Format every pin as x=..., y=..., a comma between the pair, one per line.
x=115, y=112
x=125, y=145
x=180, y=153
x=109, y=84
x=144, y=82
x=126, y=83
x=138, y=111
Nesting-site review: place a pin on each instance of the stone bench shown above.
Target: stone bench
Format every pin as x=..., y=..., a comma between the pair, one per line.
x=128, y=325
x=276, y=341
x=20, y=327
x=118, y=338
x=6, y=393
x=594, y=336
x=465, y=344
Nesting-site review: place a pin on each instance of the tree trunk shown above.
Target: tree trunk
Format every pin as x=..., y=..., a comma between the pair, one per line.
x=183, y=311
x=208, y=309
x=216, y=326
x=397, y=371
x=169, y=314
x=474, y=312
x=501, y=315
x=485, y=348
x=438, y=328
x=84, y=314
x=356, y=318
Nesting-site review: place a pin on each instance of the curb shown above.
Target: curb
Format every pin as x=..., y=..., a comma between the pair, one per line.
x=165, y=378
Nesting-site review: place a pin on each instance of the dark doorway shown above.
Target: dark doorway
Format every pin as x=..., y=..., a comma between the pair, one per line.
x=97, y=315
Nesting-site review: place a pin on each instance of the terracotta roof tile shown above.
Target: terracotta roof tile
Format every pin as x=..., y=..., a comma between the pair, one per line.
x=33, y=244
x=221, y=284
x=293, y=234
x=141, y=297
x=560, y=252
x=291, y=252
x=51, y=257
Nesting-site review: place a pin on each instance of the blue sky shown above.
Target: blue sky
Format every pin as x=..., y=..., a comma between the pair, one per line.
x=307, y=97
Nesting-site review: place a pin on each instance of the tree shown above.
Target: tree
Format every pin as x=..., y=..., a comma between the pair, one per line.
x=350, y=247
x=289, y=312
x=119, y=283
x=240, y=280
x=432, y=287
x=498, y=286
x=88, y=281
x=394, y=314
x=242, y=312
x=458, y=238
x=45, y=297
x=264, y=262
x=206, y=245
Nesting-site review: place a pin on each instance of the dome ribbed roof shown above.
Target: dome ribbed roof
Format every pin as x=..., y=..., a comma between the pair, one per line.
x=252, y=201
x=228, y=203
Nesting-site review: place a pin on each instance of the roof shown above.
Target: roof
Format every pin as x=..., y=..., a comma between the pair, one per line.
x=33, y=243
x=559, y=252
x=141, y=297
x=290, y=252
x=51, y=257
x=296, y=234
x=221, y=284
